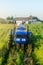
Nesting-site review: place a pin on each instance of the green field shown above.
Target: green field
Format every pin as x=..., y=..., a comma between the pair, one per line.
x=4, y=36
x=37, y=41
x=4, y=33
x=37, y=31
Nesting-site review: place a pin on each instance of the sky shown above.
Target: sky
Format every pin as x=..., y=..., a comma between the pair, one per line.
x=19, y=8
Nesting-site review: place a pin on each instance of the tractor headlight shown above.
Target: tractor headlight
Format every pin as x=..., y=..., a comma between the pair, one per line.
x=17, y=39
x=23, y=39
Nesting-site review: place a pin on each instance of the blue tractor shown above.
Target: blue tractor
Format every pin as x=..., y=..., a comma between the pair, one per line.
x=20, y=36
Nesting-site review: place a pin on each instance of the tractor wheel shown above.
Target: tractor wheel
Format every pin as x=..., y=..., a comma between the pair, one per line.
x=10, y=42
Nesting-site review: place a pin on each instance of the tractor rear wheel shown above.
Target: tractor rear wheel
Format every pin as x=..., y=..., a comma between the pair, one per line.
x=10, y=42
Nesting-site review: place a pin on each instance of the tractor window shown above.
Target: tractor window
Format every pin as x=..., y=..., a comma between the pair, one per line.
x=21, y=36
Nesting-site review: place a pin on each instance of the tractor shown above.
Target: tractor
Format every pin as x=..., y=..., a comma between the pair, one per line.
x=20, y=36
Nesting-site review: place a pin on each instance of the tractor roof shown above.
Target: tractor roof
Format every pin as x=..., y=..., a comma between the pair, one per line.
x=21, y=27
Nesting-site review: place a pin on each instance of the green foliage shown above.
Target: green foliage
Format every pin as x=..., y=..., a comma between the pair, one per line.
x=19, y=59
x=10, y=18
x=14, y=56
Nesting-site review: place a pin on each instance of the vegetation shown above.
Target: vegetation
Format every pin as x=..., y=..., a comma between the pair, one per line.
x=37, y=31
x=4, y=36
x=15, y=56
x=10, y=18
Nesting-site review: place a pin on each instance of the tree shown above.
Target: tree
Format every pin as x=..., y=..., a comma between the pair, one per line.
x=8, y=18
x=11, y=18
